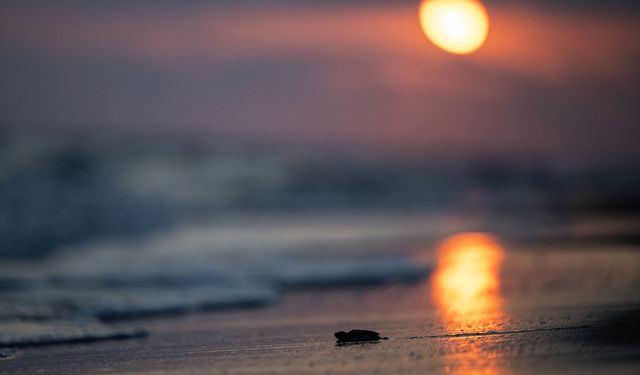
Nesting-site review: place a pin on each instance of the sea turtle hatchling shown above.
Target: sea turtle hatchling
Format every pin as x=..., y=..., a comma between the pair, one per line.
x=357, y=335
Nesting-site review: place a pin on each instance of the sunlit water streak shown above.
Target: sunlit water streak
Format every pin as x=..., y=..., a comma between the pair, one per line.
x=466, y=292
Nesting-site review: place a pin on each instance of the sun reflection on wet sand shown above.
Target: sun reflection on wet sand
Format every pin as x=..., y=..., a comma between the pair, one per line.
x=466, y=292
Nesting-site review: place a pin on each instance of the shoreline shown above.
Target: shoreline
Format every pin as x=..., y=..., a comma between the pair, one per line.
x=296, y=336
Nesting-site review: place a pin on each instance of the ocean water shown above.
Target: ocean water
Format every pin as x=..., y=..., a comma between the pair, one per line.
x=234, y=264
x=209, y=265
x=96, y=233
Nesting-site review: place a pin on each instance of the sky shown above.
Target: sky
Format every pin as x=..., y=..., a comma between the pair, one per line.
x=556, y=79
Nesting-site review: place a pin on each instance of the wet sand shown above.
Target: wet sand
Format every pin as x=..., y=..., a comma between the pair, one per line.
x=540, y=310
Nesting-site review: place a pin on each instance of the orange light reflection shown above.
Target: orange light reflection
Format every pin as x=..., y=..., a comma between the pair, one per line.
x=467, y=280
x=466, y=292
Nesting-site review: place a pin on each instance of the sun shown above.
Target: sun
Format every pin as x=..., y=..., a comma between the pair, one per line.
x=456, y=26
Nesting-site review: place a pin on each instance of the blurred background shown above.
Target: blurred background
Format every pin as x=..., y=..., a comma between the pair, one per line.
x=205, y=142
x=123, y=117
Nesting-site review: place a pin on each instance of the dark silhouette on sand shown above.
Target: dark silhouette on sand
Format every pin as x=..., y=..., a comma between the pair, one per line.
x=357, y=335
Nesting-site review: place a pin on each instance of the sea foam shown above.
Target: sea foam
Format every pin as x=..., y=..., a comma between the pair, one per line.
x=198, y=267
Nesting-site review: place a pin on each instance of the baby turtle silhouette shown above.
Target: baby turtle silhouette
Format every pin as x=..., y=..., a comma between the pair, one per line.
x=358, y=335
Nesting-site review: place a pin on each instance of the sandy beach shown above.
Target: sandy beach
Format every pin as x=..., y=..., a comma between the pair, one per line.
x=577, y=316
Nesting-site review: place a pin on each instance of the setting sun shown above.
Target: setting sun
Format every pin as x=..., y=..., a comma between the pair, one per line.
x=456, y=26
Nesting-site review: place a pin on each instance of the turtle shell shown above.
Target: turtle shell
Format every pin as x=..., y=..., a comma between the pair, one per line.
x=357, y=335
